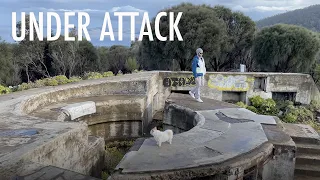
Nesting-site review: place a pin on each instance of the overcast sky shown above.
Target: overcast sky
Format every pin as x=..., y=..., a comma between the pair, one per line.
x=256, y=9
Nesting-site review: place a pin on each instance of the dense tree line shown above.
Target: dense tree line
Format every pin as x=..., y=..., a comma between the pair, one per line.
x=228, y=39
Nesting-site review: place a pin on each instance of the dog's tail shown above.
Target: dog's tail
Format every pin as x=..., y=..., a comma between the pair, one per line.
x=170, y=132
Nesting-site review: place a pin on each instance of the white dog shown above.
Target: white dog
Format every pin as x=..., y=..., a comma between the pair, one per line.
x=160, y=137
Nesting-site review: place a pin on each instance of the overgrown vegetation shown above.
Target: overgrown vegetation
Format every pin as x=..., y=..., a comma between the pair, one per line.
x=287, y=111
x=114, y=152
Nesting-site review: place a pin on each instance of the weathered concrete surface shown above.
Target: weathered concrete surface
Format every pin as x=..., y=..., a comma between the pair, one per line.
x=245, y=85
x=62, y=144
x=53, y=173
x=116, y=116
x=209, y=142
x=26, y=138
x=301, y=131
x=282, y=165
x=74, y=111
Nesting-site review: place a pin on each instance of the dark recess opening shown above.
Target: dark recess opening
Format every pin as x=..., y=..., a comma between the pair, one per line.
x=260, y=84
x=282, y=96
x=180, y=91
x=234, y=97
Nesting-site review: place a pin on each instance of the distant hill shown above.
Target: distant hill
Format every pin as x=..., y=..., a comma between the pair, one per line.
x=308, y=17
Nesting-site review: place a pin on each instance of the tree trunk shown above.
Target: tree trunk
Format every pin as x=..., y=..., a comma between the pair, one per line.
x=27, y=73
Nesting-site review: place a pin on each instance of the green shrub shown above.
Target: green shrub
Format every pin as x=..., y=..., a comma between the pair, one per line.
x=62, y=79
x=39, y=83
x=314, y=105
x=264, y=106
x=268, y=107
x=51, y=82
x=241, y=104
x=108, y=74
x=253, y=109
x=4, y=90
x=314, y=125
x=92, y=75
x=113, y=157
x=24, y=86
x=290, y=118
x=74, y=79
x=282, y=105
x=104, y=175
x=131, y=64
x=298, y=114
x=256, y=101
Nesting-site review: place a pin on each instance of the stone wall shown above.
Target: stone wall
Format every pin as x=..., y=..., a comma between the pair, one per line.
x=228, y=86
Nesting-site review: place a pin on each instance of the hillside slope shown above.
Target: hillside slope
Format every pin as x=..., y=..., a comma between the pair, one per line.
x=308, y=17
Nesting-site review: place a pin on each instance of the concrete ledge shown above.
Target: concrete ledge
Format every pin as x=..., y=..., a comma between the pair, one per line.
x=74, y=111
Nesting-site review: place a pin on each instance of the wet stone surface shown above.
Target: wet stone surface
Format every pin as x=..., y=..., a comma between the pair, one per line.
x=18, y=132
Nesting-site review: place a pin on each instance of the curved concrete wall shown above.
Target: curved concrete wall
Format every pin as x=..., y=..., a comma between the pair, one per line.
x=179, y=118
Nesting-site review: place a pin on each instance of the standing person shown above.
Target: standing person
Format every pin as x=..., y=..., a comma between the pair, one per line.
x=198, y=70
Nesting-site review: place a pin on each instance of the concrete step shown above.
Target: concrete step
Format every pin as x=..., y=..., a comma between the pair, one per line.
x=306, y=140
x=309, y=159
x=307, y=170
x=302, y=177
x=308, y=148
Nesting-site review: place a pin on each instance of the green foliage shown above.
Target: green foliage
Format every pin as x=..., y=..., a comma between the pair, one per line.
x=113, y=157
x=237, y=45
x=8, y=69
x=132, y=64
x=316, y=74
x=313, y=124
x=282, y=105
x=253, y=109
x=39, y=83
x=261, y=106
x=4, y=90
x=61, y=79
x=114, y=153
x=241, y=104
x=257, y=101
x=104, y=175
x=314, y=105
x=290, y=118
x=92, y=75
x=117, y=57
x=74, y=79
x=297, y=114
x=286, y=48
x=199, y=27
x=108, y=74
x=51, y=82
x=24, y=86
x=268, y=107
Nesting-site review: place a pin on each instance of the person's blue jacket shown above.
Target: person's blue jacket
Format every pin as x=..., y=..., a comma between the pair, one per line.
x=195, y=65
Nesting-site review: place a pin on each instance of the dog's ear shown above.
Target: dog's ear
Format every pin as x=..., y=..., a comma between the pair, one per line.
x=155, y=128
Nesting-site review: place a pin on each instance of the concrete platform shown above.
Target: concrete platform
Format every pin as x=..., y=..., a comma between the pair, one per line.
x=215, y=141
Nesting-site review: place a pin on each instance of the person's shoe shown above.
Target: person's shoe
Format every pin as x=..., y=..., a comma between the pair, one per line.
x=199, y=100
x=191, y=94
